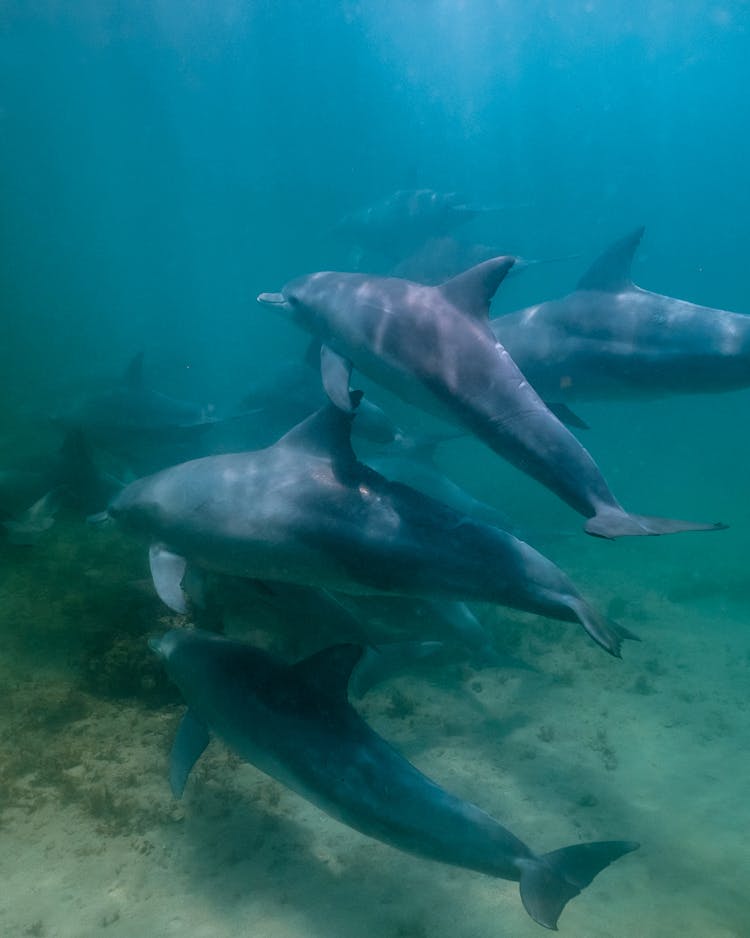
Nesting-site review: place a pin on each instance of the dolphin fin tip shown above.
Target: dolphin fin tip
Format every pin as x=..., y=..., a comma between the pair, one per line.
x=612, y=523
x=549, y=882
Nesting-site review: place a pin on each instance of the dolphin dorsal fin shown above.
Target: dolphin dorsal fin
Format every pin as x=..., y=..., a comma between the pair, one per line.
x=327, y=432
x=610, y=272
x=472, y=291
x=329, y=670
x=133, y=377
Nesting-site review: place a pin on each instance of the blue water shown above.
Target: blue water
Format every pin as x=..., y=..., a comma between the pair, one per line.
x=163, y=163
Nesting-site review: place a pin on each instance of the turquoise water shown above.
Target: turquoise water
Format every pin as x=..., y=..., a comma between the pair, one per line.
x=161, y=165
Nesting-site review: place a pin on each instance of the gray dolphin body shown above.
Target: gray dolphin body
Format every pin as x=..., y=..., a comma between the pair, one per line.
x=297, y=725
x=611, y=339
x=306, y=511
x=433, y=347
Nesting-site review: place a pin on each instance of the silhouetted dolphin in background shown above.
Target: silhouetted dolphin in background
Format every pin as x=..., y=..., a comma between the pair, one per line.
x=433, y=347
x=611, y=339
x=31, y=494
x=399, y=224
x=306, y=511
x=133, y=421
x=295, y=723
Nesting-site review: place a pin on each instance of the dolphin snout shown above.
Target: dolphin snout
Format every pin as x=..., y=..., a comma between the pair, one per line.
x=271, y=299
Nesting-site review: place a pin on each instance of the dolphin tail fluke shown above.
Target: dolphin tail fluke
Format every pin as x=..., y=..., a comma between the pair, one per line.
x=550, y=882
x=614, y=522
x=606, y=633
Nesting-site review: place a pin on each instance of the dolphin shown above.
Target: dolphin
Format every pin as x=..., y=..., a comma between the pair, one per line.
x=611, y=339
x=31, y=494
x=398, y=225
x=306, y=511
x=295, y=724
x=434, y=348
x=137, y=423
x=365, y=619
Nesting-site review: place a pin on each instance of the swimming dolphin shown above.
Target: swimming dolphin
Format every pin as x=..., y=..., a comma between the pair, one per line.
x=399, y=224
x=306, y=511
x=433, y=346
x=137, y=423
x=612, y=339
x=31, y=494
x=295, y=723
x=345, y=617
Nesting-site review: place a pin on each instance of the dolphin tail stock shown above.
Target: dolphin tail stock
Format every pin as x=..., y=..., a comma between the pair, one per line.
x=611, y=522
x=606, y=633
x=549, y=882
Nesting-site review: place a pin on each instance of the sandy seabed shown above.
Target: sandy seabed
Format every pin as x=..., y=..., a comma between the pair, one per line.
x=653, y=748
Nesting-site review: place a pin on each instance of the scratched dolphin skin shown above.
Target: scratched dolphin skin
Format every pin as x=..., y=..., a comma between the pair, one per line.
x=306, y=511
x=433, y=347
x=295, y=723
x=610, y=339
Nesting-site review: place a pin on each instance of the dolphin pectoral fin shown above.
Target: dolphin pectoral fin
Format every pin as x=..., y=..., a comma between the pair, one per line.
x=167, y=571
x=189, y=744
x=565, y=415
x=610, y=272
x=336, y=372
x=472, y=291
x=28, y=528
x=614, y=522
x=550, y=882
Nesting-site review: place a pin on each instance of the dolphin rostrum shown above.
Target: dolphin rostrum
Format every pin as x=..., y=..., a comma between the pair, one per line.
x=306, y=511
x=433, y=347
x=295, y=723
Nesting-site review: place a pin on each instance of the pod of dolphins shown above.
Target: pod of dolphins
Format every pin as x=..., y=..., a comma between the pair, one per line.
x=302, y=519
